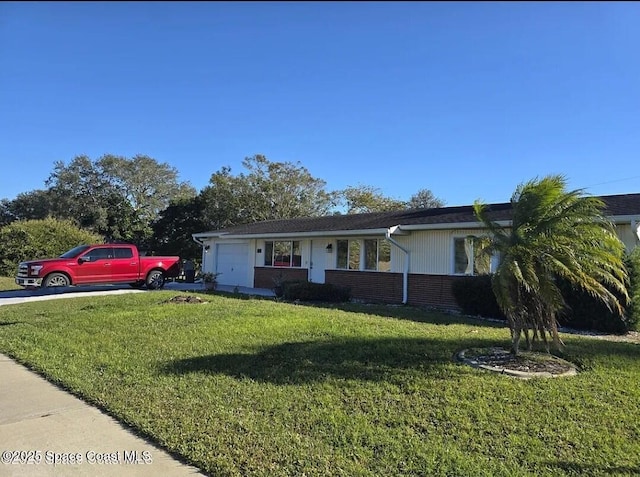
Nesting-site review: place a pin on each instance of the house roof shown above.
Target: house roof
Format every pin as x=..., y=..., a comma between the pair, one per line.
x=617, y=206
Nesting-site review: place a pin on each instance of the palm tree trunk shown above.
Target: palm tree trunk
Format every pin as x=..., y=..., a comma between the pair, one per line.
x=516, y=332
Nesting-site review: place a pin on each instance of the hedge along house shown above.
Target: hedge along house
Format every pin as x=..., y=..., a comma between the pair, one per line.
x=409, y=256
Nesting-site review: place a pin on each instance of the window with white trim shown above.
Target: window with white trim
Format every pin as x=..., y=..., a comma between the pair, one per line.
x=367, y=254
x=470, y=256
x=282, y=253
x=348, y=256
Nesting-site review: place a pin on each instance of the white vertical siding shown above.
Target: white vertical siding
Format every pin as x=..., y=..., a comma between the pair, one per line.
x=208, y=256
x=431, y=250
x=627, y=235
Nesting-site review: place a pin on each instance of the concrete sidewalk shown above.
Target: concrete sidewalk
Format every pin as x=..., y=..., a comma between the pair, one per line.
x=45, y=431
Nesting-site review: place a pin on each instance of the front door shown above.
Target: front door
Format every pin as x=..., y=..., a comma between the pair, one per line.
x=319, y=259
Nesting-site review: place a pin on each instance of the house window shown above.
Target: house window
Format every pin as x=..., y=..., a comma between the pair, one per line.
x=282, y=253
x=377, y=255
x=348, y=255
x=368, y=254
x=470, y=256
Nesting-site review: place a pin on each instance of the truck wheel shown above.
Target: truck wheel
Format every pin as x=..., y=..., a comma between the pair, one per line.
x=56, y=280
x=155, y=280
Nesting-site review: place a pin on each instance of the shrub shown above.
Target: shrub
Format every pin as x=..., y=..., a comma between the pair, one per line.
x=474, y=296
x=633, y=310
x=584, y=312
x=34, y=239
x=309, y=291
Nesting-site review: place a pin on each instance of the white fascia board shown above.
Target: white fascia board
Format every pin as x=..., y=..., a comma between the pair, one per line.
x=396, y=230
x=624, y=219
x=202, y=235
x=327, y=233
x=293, y=235
x=456, y=225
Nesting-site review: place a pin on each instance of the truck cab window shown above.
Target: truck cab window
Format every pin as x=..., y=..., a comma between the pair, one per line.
x=98, y=254
x=122, y=253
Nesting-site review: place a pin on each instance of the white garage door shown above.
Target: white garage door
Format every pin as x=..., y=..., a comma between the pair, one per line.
x=233, y=265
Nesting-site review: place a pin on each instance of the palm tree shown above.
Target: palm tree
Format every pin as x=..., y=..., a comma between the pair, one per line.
x=555, y=234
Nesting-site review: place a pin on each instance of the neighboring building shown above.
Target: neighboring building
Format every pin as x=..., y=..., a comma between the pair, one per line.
x=408, y=256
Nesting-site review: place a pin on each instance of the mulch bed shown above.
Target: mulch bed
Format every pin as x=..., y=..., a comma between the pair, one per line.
x=185, y=299
x=526, y=364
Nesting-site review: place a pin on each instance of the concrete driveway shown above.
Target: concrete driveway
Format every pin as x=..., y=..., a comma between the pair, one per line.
x=22, y=296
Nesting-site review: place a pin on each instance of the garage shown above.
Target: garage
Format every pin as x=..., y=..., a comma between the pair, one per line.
x=233, y=264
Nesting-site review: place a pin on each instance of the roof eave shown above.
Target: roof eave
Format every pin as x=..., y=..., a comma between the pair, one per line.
x=453, y=225
x=324, y=233
x=623, y=219
x=618, y=219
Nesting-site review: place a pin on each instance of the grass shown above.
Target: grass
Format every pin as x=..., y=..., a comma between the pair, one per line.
x=253, y=387
x=8, y=283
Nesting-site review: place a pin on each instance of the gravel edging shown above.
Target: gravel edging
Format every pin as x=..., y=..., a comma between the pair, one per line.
x=499, y=360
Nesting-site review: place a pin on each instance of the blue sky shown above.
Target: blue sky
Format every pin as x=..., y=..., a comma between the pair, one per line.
x=465, y=99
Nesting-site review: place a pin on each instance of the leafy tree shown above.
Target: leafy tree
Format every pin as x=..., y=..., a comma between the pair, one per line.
x=33, y=239
x=266, y=191
x=227, y=200
x=554, y=234
x=424, y=199
x=115, y=196
x=147, y=185
x=6, y=215
x=36, y=204
x=173, y=228
x=364, y=199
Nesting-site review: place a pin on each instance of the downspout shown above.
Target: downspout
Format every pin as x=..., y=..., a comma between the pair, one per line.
x=201, y=243
x=405, y=273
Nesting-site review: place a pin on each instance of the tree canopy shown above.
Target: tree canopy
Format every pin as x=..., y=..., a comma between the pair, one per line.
x=114, y=196
x=142, y=201
x=173, y=228
x=424, y=199
x=363, y=199
x=267, y=190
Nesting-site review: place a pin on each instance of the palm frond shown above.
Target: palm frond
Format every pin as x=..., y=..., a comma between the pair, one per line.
x=554, y=234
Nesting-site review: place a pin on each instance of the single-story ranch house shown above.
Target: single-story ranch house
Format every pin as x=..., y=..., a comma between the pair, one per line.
x=409, y=256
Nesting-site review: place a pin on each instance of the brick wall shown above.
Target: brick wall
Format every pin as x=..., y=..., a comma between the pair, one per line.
x=368, y=286
x=374, y=287
x=263, y=277
x=432, y=290
x=423, y=290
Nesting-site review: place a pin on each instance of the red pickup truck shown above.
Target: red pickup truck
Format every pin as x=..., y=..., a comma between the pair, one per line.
x=99, y=264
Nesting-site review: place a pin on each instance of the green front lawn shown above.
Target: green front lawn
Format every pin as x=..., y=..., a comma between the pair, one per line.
x=8, y=283
x=248, y=387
